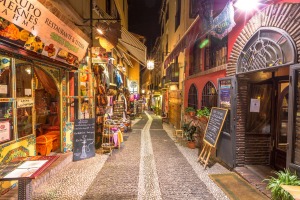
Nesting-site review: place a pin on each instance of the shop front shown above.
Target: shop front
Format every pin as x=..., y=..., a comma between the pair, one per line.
x=261, y=87
x=39, y=62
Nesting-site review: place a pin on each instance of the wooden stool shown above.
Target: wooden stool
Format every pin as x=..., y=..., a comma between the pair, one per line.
x=178, y=134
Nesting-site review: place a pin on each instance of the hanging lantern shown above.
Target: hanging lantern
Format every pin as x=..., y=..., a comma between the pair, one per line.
x=105, y=43
x=150, y=64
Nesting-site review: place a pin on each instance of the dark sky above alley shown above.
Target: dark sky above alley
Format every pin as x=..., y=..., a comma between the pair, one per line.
x=144, y=19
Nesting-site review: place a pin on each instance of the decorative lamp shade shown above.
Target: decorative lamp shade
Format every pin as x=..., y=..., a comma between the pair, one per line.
x=105, y=43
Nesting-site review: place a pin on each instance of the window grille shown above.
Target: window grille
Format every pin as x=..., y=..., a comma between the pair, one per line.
x=195, y=59
x=209, y=96
x=268, y=47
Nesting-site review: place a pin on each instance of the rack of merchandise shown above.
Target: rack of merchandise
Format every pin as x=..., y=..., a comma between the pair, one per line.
x=118, y=109
x=107, y=143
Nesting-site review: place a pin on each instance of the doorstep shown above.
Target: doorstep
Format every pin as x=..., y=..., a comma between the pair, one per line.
x=63, y=160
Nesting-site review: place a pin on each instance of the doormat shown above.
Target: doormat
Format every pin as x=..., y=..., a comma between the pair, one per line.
x=236, y=188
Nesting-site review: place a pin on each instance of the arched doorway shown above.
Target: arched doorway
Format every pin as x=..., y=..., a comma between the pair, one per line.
x=47, y=106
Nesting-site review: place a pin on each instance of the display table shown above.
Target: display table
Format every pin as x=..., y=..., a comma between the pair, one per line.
x=23, y=170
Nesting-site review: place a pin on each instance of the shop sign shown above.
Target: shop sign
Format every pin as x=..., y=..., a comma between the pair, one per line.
x=29, y=24
x=26, y=102
x=224, y=22
x=4, y=131
x=225, y=94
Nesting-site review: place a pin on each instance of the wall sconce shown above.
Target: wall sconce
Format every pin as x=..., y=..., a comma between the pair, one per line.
x=246, y=5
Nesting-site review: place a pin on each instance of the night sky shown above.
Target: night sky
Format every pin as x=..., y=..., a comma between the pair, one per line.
x=144, y=19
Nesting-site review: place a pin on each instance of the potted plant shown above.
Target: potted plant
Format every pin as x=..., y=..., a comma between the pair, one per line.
x=283, y=178
x=203, y=114
x=191, y=111
x=189, y=134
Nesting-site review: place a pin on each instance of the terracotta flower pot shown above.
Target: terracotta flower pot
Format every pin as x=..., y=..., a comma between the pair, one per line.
x=203, y=119
x=191, y=144
x=192, y=113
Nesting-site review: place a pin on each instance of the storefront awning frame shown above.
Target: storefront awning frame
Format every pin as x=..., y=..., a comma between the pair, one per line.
x=189, y=37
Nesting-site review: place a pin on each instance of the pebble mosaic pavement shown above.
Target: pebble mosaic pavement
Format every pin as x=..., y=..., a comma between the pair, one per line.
x=149, y=165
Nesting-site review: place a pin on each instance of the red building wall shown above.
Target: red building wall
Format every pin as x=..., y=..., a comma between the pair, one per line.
x=200, y=82
x=241, y=19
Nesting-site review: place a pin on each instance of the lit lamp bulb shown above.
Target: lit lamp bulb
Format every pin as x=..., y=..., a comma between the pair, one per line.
x=150, y=64
x=246, y=5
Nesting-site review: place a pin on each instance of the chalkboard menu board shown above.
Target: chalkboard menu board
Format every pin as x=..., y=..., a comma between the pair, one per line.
x=214, y=126
x=84, y=139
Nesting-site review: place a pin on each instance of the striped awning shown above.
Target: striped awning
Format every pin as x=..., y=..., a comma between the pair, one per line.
x=137, y=50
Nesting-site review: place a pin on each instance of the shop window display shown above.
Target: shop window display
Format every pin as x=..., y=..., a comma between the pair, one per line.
x=6, y=122
x=24, y=100
x=5, y=78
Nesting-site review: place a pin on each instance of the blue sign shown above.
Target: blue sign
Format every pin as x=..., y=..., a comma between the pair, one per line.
x=224, y=22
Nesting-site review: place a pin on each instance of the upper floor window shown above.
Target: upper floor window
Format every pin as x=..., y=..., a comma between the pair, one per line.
x=178, y=12
x=108, y=7
x=167, y=12
x=193, y=97
x=209, y=96
x=215, y=52
x=195, y=59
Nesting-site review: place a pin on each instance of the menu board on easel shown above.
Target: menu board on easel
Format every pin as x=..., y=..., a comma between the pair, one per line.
x=213, y=129
x=214, y=125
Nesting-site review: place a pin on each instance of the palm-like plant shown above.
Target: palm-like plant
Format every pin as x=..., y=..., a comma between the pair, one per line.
x=285, y=177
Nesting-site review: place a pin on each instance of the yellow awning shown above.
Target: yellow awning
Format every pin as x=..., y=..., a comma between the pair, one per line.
x=137, y=50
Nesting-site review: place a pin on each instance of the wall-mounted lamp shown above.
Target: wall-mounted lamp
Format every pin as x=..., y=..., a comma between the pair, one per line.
x=246, y=5
x=150, y=64
x=28, y=70
x=99, y=31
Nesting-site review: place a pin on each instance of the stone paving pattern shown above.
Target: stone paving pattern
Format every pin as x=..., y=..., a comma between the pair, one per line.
x=149, y=165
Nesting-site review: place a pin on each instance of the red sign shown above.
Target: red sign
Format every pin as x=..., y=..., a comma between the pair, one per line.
x=29, y=24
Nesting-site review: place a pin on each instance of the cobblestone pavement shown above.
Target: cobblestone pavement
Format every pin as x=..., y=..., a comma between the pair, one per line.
x=149, y=165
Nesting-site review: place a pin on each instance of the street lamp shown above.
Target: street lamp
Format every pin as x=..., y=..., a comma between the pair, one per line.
x=150, y=64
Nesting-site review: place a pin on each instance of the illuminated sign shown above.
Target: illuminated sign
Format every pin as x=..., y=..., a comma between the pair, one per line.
x=29, y=24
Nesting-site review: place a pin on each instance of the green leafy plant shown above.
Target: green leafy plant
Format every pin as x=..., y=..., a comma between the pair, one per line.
x=285, y=177
x=189, y=109
x=203, y=112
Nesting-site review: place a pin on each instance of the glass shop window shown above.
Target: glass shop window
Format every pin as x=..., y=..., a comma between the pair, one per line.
x=23, y=79
x=24, y=121
x=6, y=122
x=5, y=77
x=80, y=97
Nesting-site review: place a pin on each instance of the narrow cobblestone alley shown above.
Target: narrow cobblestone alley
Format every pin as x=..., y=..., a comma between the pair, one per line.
x=149, y=165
